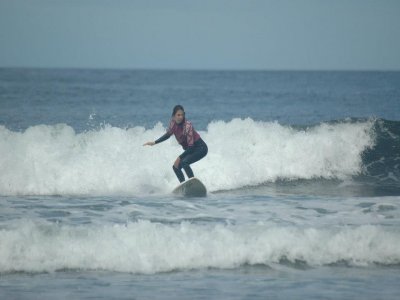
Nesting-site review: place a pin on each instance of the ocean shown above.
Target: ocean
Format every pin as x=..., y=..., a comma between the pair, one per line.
x=302, y=172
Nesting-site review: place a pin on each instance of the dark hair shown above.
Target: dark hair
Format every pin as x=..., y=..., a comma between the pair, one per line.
x=176, y=108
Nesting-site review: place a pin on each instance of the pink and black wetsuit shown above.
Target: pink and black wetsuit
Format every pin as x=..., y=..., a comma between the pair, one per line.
x=190, y=140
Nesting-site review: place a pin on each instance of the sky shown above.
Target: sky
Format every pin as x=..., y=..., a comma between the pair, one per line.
x=206, y=34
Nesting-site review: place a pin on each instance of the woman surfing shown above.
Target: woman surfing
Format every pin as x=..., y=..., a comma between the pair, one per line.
x=190, y=140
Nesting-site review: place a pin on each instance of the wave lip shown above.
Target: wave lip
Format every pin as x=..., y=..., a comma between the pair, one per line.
x=147, y=248
x=269, y=151
x=48, y=160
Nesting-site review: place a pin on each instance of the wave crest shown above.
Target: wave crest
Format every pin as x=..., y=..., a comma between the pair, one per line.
x=146, y=247
x=50, y=160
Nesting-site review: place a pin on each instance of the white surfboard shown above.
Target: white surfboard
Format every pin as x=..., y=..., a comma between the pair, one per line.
x=192, y=187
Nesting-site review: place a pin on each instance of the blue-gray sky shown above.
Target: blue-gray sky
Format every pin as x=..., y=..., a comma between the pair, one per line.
x=207, y=34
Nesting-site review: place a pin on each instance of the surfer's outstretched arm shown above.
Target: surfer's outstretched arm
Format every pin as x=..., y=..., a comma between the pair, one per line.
x=161, y=139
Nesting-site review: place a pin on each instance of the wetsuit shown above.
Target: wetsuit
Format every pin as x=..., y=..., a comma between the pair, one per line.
x=190, y=140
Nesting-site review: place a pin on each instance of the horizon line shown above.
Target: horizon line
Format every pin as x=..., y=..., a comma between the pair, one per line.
x=203, y=69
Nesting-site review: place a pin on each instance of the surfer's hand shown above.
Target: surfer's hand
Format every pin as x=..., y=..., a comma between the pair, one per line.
x=149, y=144
x=176, y=163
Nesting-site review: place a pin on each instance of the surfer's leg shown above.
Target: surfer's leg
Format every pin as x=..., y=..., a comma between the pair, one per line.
x=179, y=174
x=188, y=171
x=191, y=158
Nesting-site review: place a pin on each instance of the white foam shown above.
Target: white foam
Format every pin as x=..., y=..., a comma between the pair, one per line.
x=145, y=247
x=57, y=160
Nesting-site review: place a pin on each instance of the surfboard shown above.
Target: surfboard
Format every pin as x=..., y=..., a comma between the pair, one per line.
x=192, y=187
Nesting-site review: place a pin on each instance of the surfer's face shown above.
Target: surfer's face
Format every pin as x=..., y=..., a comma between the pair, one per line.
x=179, y=116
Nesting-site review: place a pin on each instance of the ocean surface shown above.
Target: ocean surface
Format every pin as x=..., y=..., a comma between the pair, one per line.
x=303, y=178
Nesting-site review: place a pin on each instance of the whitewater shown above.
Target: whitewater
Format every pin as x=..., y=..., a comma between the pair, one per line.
x=51, y=160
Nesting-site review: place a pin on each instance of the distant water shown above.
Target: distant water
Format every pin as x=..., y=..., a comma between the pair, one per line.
x=303, y=173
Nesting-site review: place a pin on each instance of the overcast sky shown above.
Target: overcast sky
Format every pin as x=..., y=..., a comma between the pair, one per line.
x=203, y=34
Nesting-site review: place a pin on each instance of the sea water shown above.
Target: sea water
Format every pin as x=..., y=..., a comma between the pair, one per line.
x=303, y=178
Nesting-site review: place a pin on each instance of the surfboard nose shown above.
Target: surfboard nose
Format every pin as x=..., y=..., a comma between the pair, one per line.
x=192, y=187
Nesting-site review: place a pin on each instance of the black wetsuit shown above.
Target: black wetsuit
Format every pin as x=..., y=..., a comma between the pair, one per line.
x=189, y=156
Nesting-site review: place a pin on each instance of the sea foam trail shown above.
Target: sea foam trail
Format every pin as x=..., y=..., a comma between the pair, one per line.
x=56, y=160
x=146, y=247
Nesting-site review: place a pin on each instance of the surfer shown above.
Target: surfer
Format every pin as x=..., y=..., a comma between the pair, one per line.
x=190, y=140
